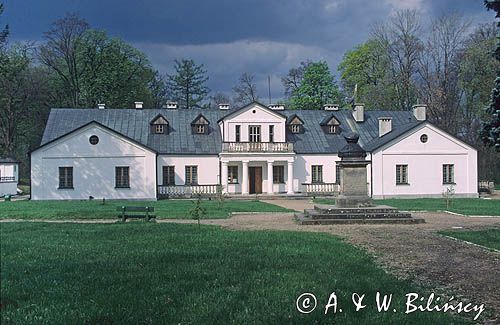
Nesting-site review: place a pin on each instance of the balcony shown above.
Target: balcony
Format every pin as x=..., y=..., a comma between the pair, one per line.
x=283, y=147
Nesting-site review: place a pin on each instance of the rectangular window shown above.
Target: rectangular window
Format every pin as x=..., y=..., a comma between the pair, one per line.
x=295, y=128
x=317, y=173
x=278, y=174
x=232, y=174
x=337, y=174
x=168, y=175
x=200, y=129
x=191, y=175
x=65, y=177
x=238, y=133
x=401, y=174
x=332, y=129
x=122, y=179
x=448, y=174
x=254, y=133
x=159, y=129
x=271, y=133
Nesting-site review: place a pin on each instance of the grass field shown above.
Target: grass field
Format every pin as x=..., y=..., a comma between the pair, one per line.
x=488, y=238
x=463, y=206
x=96, y=210
x=169, y=273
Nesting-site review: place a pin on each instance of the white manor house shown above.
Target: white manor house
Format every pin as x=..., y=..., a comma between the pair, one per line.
x=153, y=153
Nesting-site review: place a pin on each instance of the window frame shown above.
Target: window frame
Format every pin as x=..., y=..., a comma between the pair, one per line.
x=254, y=137
x=191, y=170
x=337, y=173
x=278, y=174
x=232, y=176
x=237, y=133
x=199, y=128
x=65, y=178
x=402, y=174
x=317, y=174
x=271, y=133
x=168, y=175
x=295, y=128
x=159, y=128
x=332, y=129
x=448, y=174
x=119, y=182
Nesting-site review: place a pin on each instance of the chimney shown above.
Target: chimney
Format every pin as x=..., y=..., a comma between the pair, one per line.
x=331, y=107
x=359, y=112
x=223, y=107
x=138, y=105
x=384, y=125
x=276, y=107
x=101, y=106
x=171, y=105
x=419, y=111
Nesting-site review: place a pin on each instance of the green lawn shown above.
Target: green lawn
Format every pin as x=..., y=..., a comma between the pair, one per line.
x=145, y=273
x=96, y=210
x=488, y=238
x=463, y=206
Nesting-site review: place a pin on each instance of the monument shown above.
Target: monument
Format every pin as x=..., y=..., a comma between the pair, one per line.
x=353, y=205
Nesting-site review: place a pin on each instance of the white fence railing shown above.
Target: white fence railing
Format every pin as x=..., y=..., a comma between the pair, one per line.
x=187, y=190
x=257, y=147
x=322, y=188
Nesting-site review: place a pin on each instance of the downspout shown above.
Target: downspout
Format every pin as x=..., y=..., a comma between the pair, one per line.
x=156, y=177
x=371, y=175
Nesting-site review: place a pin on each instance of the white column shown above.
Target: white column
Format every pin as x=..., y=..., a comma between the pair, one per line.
x=223, y=177
x=244, y=181
x=290, y=178
x=270, y=177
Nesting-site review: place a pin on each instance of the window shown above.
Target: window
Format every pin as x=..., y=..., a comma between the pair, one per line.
x=191, y=175
x=238, y=133
x=65, y=177
x=337, y=174
x=448, y=174
x=317, y=174
x=200, y=129
x=94, y=139
x=332, y=129
x=271, y=133
x=278, y=174
x=122, y=177
x=168, y=175
x=159, y=129
x=424, y=138
x=232, y=174
x=401, y=174
x=295, y=128
x=254, y=133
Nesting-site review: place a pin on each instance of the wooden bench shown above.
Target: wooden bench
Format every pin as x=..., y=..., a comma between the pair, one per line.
x=137, y=212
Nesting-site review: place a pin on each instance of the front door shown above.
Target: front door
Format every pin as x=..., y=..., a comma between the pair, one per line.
x=255, y=178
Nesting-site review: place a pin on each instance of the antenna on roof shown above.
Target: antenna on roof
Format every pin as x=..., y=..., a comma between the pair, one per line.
x=269, y=87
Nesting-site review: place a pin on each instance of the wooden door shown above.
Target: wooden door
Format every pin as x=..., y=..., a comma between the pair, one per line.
x=255, y=180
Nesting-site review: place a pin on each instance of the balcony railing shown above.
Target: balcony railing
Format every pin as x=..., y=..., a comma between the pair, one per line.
x=322, y=188
x=187, y=190
x=7, y=179
x=257, y=147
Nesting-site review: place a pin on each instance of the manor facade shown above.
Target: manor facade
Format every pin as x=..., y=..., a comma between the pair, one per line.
x=154, y=153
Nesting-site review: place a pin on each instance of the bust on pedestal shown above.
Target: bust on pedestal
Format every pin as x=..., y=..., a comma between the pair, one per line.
x=353, y=175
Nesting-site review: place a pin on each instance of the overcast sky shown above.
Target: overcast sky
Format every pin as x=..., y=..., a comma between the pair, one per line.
x=229, y=37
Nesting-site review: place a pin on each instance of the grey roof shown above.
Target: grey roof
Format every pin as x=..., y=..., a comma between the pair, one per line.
x=8, y=160
x=134, y=124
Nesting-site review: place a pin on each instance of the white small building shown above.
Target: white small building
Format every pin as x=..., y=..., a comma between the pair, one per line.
x=152, y=153
x=9, y=176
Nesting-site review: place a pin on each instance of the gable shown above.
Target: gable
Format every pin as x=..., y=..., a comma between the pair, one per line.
x=437, y=142
x=200, y=120
x=254, y=112
x=329, y=120
x=159, y=119
x=295, y=120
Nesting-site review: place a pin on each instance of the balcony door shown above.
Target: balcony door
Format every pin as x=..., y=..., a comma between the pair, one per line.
x=254, y=133
x=255, y=180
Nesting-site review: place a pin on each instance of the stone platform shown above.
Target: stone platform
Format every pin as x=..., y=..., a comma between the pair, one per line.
x=330, y=214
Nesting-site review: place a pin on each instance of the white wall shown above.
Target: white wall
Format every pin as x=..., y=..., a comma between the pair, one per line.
x=9, y=170
x=208, y=168
x=93, y=167
x=303, y=163
x=424, y=162
x=261, y=117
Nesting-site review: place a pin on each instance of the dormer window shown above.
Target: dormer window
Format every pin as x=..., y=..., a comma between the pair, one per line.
x=332, y=129
x=330, y=125
x=200, y=125
x=159, y=125
x=295, y=128
x=295, y=124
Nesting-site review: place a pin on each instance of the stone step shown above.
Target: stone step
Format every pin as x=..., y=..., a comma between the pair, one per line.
x=315, y=214
x=325, y=209
x=304, y=220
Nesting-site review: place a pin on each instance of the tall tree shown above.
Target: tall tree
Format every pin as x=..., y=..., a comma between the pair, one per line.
x=293, y=78
x=219, y=98
x=246, y=90
x=4, y=31
x=490, y=132
x=60, y=54
x=188, y=84
x=158, y=90
x=317, y=88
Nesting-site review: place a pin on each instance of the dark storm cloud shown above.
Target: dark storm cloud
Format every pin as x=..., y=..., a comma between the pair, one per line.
x=262, y=37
